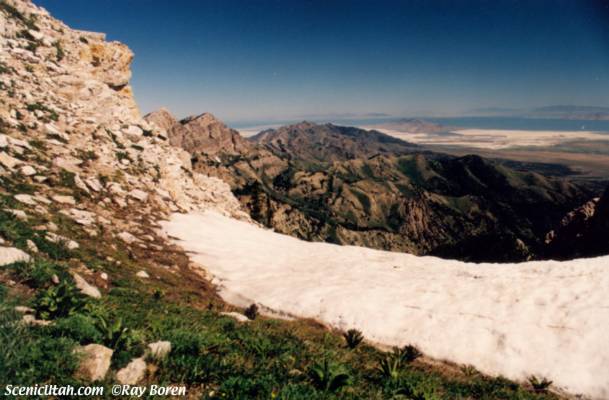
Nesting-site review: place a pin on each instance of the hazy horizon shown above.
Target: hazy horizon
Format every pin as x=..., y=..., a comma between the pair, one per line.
x=273, y=60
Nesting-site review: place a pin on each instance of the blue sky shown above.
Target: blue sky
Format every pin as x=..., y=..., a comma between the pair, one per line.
x=284, y=59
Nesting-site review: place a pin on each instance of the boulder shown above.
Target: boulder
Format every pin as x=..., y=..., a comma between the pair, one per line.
x=127, y=237
x=138, y=194
x=31, y=246
x=133, y=373
x=94, y=184
x=32, y=321
x=19, y=214
x=9, y=255
x=84, y=287
x=133, y=133
x=28, y=170
x=64, y=199
x=159, y=349
x=94, y=362
x=52, y=131
x=142, y=274
x=238, y=316
x=24, y=310
x=8, y=161
x=26, y=199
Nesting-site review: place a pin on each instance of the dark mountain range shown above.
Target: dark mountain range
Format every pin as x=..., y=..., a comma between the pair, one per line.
x=351, y=186
x=326, y=143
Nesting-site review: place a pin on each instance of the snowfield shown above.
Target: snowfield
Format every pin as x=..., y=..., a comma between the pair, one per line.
x=545, y=318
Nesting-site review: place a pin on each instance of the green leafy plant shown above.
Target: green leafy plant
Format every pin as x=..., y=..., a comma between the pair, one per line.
x=353, y=337
x=540, y=385
x=329, y=377
x=390, y=367
x=114, y=334
x=60, y=300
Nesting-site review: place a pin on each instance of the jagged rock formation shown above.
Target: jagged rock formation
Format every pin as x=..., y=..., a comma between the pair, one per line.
x=583, y=232
x=201, y=134
x=70, y=125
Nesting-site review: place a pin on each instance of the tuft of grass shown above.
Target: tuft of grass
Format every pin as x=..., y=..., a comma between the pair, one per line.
x=353, y=337
x=540, y=385
x=408, y=353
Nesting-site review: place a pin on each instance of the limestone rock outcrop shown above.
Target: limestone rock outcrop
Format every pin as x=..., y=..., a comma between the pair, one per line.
x=67, y=91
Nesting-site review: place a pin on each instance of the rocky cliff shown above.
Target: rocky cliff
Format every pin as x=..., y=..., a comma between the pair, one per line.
x=68, y=110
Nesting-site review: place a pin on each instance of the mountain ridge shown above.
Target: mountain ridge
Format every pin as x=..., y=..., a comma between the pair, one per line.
x=352, y=186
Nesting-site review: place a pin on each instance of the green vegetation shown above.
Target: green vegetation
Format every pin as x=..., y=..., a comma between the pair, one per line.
x=41, y=107
x=60, y=54
x=61, y=300
x=214, y=355
x=122, y=155
x=4, y=69
x=353, y=337
x=329, y=377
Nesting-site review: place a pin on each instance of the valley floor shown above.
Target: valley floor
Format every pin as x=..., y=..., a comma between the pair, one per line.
x=544, y=318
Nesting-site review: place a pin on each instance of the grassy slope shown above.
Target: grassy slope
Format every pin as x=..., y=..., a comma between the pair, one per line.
x=212, y=354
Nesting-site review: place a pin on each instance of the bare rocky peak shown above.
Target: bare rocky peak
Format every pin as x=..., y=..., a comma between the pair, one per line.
x=200, y=134
x=162, y=118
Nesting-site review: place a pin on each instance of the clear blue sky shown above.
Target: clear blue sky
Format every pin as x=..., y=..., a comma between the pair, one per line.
x=283, y=59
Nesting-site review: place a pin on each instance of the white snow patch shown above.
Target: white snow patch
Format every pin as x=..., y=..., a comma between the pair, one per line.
x=545, y=318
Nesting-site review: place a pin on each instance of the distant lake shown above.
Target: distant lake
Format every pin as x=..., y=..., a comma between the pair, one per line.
x=508, y=123
x=529, y=124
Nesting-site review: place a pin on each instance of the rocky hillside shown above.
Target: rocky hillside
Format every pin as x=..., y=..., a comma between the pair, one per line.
x=583, y=232
x=351, y=186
